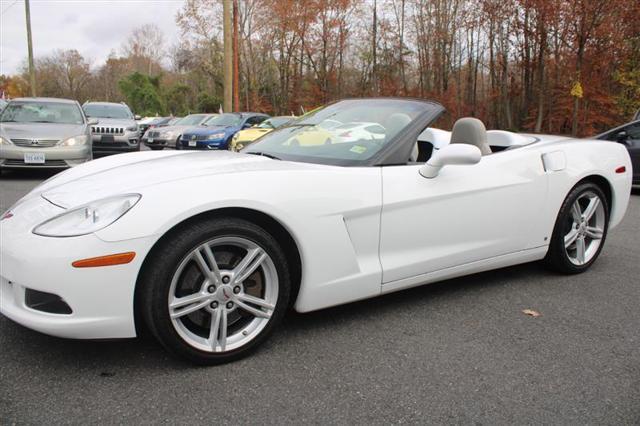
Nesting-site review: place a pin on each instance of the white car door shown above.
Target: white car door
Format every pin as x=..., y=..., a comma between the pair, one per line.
x=467, y=213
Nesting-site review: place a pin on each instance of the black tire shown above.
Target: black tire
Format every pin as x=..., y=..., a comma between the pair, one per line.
x=557, y=258
x=178, y=144
x=155, y=283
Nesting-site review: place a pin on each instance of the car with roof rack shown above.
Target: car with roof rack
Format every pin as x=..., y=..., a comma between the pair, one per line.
x=116, y=130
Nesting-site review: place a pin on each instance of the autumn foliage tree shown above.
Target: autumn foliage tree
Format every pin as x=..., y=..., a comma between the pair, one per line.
x=553, y=66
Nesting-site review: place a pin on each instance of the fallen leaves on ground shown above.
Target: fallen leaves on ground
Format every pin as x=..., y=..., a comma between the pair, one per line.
x=531, y=313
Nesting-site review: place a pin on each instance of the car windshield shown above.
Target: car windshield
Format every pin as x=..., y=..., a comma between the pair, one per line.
x=159, y=120
x=224, y=120
x=348, y=132
x=42, y=112
x=275, y=122
x=191, y=120
x=108, y=111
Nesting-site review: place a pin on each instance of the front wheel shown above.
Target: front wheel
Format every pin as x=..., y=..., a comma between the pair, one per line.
x=215, y=290
x=580, y=230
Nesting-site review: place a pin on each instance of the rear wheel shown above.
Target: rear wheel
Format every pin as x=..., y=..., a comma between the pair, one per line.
x=216, y=290
x=580, y=230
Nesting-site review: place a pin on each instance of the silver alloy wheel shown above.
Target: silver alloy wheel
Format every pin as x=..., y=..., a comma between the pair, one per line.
x=586, y=228
x=223, y=294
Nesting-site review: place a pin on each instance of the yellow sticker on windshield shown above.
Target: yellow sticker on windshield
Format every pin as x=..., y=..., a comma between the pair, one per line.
x=358, y=149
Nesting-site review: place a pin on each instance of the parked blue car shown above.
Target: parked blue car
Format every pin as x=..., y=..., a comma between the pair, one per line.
x=219, y=130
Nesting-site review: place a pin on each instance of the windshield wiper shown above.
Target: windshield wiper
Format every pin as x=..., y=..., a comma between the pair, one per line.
x=264, y=154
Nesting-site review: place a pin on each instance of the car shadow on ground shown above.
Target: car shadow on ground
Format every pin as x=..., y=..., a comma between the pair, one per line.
x=31, y=174
x=104, y=358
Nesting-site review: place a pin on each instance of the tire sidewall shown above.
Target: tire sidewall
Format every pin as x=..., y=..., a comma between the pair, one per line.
x=557, y=255
x=157, y=283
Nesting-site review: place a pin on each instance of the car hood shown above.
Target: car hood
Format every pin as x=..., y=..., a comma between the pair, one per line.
x=251, y=134
x=41, y=130
x=208, y=130
x=131, y=173
x=115, y=122
x=175, y=128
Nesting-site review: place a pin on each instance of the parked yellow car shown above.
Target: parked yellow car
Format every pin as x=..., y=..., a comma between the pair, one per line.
x=320, y=134
x=248, y=136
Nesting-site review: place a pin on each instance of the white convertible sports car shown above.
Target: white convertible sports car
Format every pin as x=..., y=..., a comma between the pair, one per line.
x=208, y=250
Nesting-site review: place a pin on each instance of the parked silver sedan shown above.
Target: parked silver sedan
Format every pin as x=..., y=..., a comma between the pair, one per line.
x=168, y=136
x=44, y=133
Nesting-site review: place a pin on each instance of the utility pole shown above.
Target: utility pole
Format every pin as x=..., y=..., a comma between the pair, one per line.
x=236, y=77
x=374, y=48
x=32, y=70
x=228, y=53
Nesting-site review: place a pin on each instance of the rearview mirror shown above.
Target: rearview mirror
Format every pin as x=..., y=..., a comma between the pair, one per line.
x=454, y=154
x=137, y=118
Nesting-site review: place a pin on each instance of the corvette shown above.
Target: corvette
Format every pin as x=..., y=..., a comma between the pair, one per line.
x=207, y=250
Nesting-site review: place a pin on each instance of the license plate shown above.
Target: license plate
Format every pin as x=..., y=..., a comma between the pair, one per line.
x=107, y=139
x=192, y=143
x=150, y=140
x=34, y=157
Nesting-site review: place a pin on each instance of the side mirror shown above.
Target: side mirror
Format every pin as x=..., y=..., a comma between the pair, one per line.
x=246, y=125
x=454, y=154
x=137, y=117
x=91, y=121
x=622, y=136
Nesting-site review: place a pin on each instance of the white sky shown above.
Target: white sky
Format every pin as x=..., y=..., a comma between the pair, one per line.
x=93, y=27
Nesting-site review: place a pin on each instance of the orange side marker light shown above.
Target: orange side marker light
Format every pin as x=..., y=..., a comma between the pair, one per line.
x=109, y=260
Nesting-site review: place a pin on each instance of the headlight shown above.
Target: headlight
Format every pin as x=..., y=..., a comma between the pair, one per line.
x=215, y=136
x=132, y=128
x=75, y=141
x=4, y=141
x=89, y=218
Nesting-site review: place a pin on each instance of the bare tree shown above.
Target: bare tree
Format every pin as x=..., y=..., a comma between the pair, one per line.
x=145, y=44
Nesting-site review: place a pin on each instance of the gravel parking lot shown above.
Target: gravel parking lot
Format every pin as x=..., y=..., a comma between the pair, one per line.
x=460, y=351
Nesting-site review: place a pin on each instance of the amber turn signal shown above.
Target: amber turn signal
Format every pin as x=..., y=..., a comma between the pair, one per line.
x=109, y=260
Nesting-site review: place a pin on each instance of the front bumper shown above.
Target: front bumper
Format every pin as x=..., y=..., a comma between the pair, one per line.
x=238, y=145
x=12, y=157
x=113, y=144
x=155, y=142
x=214, y=145
x=101, y=299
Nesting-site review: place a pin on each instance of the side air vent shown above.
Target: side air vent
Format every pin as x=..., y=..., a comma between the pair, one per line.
x=46, y=302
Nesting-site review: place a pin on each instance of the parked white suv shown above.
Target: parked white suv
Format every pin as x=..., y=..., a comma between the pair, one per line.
x=117, y=130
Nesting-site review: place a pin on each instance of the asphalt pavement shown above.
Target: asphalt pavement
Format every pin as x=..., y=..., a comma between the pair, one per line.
x=459, y=351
